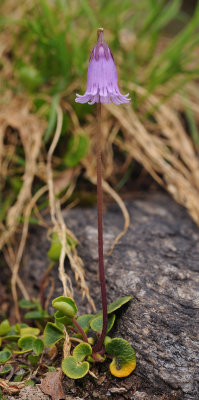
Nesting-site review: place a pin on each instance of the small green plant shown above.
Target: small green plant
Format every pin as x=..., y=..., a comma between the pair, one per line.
x=22, y=341
x=86, y=330
x=17, y=342
x=35, y=312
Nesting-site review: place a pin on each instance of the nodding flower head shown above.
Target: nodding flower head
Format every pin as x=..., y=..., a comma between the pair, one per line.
x=102, y=83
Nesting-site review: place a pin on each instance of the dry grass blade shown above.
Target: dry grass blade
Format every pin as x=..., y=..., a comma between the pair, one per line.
x=167, y=153
x=10, y=262
x=11, y=387
x=30, y=130
x=21, y=247
x=67, y=344
x=62, y=231
x=109, y=190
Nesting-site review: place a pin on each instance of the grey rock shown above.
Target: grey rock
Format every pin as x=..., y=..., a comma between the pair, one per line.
x=156, y=262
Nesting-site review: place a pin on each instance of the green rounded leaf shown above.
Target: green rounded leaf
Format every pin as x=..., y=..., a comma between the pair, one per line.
x=107, y=340
x=5, y=355
x=23, y=303
x=118, y=303
x=66, y=305
x=17, y=328
x=81, y=351
x=38, y=346
x=76, y=150
x=84, y=320
x=97, y=323
x=56, y=246
x=52, y=334
x=19, y=377
x=30, y=77
x=91, y=340
x=29, y=331
x=29, y=382
x=60, y=317
x=33, y=359
x=59, y=325
x=51, y=368
x=21, y=351
x=12, y=337
x=5, y=370
x=124, y=359
x=73, y=369
x=14, y=332
x=4, y=327
x=36, y=315
x=26, y=343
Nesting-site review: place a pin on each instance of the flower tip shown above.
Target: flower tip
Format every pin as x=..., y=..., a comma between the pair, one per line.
x=100, y=32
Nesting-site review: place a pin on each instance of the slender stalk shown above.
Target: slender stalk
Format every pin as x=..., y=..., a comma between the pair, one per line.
x=99, y=344
x=80, y=329
x=74, y=339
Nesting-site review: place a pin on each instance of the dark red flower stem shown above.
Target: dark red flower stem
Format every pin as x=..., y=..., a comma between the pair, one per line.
x=100, y=342
x=80, y=329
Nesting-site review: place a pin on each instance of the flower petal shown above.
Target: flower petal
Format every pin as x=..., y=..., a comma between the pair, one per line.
x=102, y=80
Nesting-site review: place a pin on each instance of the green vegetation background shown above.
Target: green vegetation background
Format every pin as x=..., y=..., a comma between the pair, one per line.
x=154, y=43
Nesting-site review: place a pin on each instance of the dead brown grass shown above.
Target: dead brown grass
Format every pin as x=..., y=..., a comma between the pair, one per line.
x=30, y=129
x=161, y=146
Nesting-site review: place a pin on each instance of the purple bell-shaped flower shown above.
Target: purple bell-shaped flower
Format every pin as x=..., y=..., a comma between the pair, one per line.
x=102, y=83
